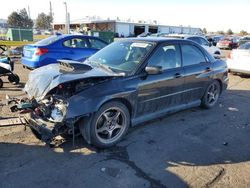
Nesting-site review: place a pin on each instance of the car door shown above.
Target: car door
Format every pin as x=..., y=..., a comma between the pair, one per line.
x=78, y=48
x=197, y=71
x=157, y=93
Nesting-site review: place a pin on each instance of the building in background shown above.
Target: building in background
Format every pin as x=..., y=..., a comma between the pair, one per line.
x=126, y=29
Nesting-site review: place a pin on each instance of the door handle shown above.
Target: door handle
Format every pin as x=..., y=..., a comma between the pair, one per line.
x=177, y=75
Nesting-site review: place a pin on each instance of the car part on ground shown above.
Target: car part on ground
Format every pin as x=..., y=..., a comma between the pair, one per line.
x=102, y=97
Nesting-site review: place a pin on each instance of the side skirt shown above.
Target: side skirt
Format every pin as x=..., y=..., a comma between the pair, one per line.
x=163, y=112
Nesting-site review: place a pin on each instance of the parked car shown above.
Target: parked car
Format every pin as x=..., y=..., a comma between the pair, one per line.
x=244, y=40
x=228, y=43
x=71, y=47
x=214, y=39
x=146, y=78
x=239, y=59
x=200, y=40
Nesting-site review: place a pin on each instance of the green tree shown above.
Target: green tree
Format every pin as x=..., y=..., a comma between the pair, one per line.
x=242, y=32
x=204, y=30
x=221, y=32
x=20, y=19
x=14, y=20
x=43, y=21
x=230, y=32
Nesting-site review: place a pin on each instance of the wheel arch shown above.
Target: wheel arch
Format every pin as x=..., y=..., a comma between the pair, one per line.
x=121, y=100
x=221, y=85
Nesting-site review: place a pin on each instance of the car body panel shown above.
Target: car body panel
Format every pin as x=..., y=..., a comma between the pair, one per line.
x=239, y=61
x=57, y=50
x=48, y=77
x=147, y=96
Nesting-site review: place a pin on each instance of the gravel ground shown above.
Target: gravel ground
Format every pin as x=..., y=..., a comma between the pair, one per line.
x=192, y=148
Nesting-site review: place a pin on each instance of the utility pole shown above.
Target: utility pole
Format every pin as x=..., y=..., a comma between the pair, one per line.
x=67, y=19
x=29, y=11
x=50, y=10
x=51, y=14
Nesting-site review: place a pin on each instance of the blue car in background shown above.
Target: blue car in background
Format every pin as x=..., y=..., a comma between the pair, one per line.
x=70, y=47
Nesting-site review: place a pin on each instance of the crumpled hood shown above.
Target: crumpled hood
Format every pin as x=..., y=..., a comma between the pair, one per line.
x=45, y=78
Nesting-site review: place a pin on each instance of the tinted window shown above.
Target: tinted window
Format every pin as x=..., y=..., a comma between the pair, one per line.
x=195, y=39
x=97, y=44
x=166, y=56
x=192, y=55
x=76, y=43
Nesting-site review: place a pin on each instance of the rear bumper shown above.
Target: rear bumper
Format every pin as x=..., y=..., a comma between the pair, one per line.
x=223, y=46
x=30, y=63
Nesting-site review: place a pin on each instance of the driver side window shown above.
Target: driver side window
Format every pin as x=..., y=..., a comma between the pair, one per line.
x=166, y=56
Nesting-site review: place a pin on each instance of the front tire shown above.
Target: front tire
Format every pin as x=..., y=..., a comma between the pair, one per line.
x=211, y=95
x=109, y=124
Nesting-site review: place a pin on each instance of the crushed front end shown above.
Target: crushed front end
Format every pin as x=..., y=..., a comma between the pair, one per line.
x=46, y=118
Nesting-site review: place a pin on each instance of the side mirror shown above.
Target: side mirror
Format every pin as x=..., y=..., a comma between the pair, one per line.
x=210, y=44
x=153, y=70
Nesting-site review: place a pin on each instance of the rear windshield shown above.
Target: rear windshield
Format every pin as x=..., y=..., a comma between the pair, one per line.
x=245, y=46
x=48, y=40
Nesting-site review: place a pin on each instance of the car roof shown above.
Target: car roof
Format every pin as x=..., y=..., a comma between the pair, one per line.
x=153, y=39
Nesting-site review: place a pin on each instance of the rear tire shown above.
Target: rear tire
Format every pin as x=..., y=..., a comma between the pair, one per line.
x=14, y=79
x=211, y=95
x=109, y=124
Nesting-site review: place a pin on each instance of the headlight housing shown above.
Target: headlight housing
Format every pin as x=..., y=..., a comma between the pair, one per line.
x=58, y=113
x=58, y=109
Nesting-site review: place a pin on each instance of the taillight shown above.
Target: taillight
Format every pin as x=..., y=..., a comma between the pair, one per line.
x=41, y=51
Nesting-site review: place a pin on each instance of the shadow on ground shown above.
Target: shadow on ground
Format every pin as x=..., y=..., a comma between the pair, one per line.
x=189, y=148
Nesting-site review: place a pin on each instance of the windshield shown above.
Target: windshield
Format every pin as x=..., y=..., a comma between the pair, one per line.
x=122, y=56
x=49, y=40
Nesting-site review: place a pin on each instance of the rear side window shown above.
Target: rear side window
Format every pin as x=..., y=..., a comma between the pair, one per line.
x=97, y=44
x=76, y=43
x=49, y=40
x=191, y=55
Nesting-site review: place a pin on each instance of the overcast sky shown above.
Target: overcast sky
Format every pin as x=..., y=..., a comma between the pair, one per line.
x=211, y=14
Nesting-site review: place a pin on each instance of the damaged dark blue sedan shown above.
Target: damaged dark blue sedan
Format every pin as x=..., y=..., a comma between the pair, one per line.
x=124, y=84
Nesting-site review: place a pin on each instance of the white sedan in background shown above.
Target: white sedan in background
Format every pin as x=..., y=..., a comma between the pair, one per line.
x=238, y=60
x=213, y=50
